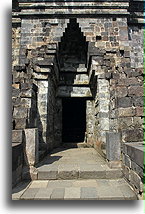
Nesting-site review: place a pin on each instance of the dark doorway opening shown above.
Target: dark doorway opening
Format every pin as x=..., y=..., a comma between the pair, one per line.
x=73, y=119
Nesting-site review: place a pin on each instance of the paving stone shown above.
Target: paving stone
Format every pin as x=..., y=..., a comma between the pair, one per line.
x=19, y=190
x=43, y=194
x=89, y=193
x=39, y=184
x=110, y=193
x=128, y=193
x=72, y=193
x=29, y=194
x=58, y=194
x=85, y=183
x=60, y=183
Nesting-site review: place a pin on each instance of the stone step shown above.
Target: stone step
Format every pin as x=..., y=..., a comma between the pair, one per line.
x=72, y=171
x=101, y=189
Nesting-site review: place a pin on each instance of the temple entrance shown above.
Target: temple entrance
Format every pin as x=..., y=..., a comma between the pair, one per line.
x=73, y=119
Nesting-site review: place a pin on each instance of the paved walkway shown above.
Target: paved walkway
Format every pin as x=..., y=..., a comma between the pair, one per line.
x=75, y=174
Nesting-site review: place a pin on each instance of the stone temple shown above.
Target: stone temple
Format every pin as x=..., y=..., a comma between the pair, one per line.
x=77, y=81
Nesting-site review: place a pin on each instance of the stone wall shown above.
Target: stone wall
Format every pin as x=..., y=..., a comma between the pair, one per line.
x=133, y=165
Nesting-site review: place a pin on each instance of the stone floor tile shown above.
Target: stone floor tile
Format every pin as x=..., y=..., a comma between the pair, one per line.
x=127, y=192
x=60, y=183
x=39, y=184
x=110, y=193
x=29, y=194
x=89, y=193
x=19, y=190
x=58, y=194
x=85, y=183
x=43, y=194
x=72, y=193
x=103, y=182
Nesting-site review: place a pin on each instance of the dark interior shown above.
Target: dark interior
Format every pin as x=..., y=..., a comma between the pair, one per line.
x=73, y=119
x=72, y=48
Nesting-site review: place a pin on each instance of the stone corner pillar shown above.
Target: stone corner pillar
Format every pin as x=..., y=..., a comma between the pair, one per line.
x=113, y=149
x=31, y=146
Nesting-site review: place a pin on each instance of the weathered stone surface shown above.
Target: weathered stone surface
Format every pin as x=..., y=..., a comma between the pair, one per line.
x=20, y=112
x=126, y=112
x=138, y=101
x=135, y=152
x=58, y=194
x=139, y=111
x=124, y=102
x=121, y=91
x=88, y=193
x=20, y=123
x=136, y=91
x=31, y=147
x=113, y=146
x=132, y=135
x=136, y=180
x=17, y=136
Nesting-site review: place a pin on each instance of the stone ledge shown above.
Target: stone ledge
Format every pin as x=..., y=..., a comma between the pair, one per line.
x=135, y=150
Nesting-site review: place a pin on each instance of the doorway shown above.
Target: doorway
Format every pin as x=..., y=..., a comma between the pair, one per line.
x=73, y=119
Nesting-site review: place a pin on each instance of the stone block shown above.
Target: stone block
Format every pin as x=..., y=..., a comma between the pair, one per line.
x=68, y=172
x=136, y=91
x=136, y=152
x=126, y=172
x=126, y=112
x=127, y=161
x=15, y=92
x=26, y=93
x=48, y=173
x=43, y=194
x=124, y=102
x=113, y=146
x=138, y=101
x=26, y=102
x=58, y=194
x=135, y=167
x=139, y=111
x=72, y=193
x=20, y=112
x=29, y=194
x=121, y=91
x=125, y=122
x=88, y=193
x=20, y=123
x=132, y=135
x=31, y=146
x=136, y=180
x=17, y=136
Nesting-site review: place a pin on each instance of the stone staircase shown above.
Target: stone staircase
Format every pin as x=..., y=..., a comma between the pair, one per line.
x=75, y=174
x=76, y=163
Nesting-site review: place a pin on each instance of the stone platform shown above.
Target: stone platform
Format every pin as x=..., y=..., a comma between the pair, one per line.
x=100, y=189
x=76, y=163
x=75, y=174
